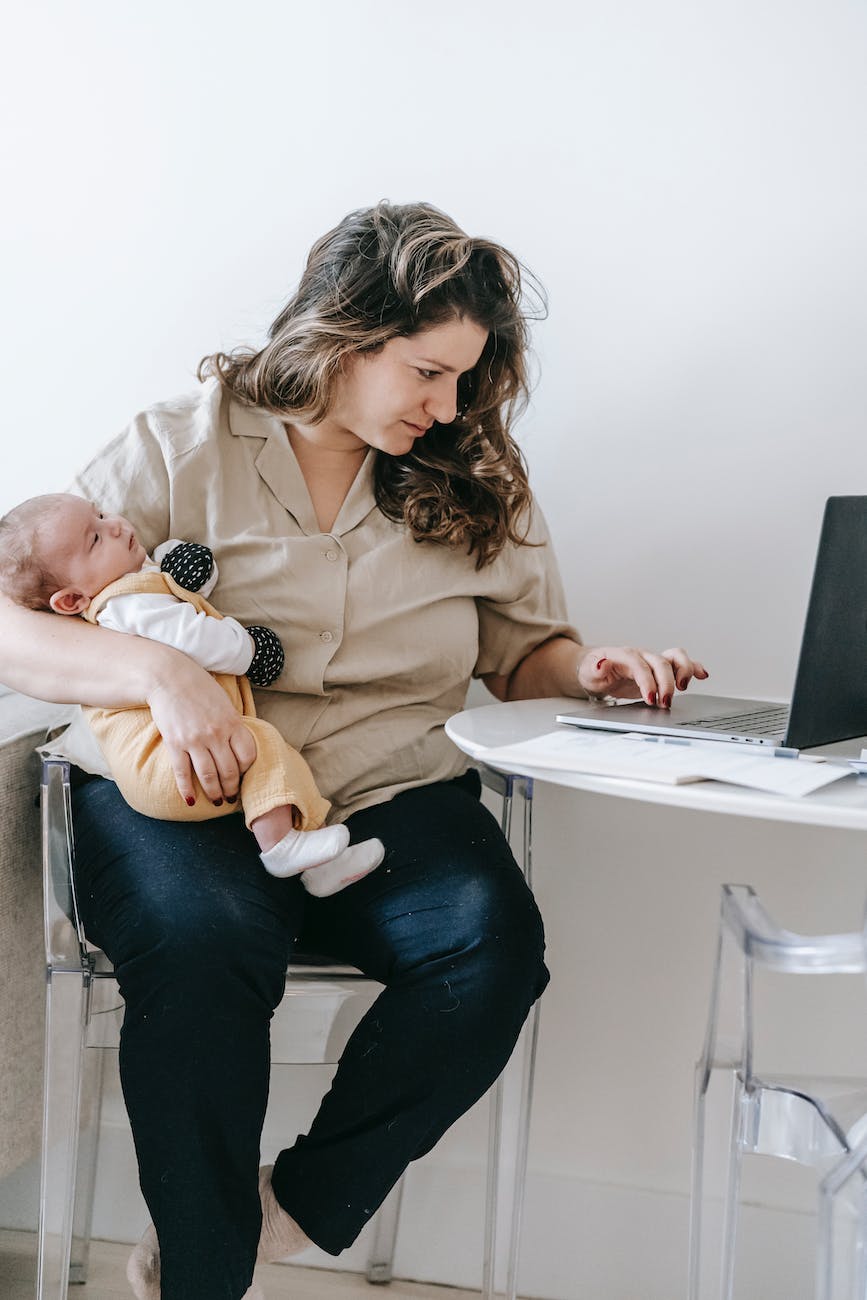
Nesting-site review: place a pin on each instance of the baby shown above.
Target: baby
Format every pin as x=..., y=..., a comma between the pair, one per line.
x=62, y=553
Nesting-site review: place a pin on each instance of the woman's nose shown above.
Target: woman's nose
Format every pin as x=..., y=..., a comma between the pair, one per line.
x=442, y=403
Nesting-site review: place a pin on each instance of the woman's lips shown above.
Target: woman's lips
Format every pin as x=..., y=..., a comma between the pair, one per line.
x=418, y=429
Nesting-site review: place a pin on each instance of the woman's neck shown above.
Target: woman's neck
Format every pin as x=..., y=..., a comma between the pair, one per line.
x=329, y=464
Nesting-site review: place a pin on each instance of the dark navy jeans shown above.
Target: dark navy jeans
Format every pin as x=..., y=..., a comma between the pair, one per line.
x=200, y=936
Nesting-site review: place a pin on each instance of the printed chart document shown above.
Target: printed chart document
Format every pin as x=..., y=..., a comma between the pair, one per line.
x=672, y=762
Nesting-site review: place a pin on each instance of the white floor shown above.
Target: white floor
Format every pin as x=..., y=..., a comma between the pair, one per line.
x=107, y=1278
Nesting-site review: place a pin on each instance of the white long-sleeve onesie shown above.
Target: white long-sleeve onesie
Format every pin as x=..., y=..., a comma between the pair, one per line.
x=221, y=645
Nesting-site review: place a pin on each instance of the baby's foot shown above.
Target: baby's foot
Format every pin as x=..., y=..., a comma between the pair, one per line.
x=350, y=865
x=299, y=850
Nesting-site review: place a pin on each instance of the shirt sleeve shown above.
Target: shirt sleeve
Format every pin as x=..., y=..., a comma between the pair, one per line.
x=221, y=645
x=525, y=604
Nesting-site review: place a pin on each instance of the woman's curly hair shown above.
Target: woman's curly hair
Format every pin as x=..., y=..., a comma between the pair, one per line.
x=391, y=271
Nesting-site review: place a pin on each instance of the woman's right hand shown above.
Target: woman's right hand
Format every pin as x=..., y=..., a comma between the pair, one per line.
x=202, y=732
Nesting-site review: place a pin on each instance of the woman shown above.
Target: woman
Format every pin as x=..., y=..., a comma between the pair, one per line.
x=359, y=484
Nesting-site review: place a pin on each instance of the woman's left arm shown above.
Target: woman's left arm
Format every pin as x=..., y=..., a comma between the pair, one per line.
x=561, y=666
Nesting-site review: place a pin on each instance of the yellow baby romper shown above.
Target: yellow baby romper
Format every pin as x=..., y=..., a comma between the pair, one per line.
x=138, y=759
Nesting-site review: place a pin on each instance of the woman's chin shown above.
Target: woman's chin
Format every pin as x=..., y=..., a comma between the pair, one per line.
x=395, y=444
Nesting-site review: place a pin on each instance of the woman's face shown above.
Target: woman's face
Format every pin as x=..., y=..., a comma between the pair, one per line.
x=392, y=397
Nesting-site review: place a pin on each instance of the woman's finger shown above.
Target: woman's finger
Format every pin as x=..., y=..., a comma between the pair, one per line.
x=663, y=672
x=243, y=747
x=228, y=770
x=630, y=675
x=209, y=778
x=183, y=770
x=685, y=668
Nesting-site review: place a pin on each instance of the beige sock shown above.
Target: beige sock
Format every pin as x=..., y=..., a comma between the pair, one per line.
x=281, y=1235
x=143, y=1270
x=143, y=1266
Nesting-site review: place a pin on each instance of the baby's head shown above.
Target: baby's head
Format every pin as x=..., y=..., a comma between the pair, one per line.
x=58, y=551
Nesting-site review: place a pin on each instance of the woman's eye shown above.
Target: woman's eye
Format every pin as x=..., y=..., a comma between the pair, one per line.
x=427, y=374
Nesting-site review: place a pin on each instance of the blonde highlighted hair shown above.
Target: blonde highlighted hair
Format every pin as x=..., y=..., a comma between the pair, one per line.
x=387, y=272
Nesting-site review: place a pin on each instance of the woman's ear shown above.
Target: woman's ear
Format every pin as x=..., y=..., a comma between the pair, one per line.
x=69, y=601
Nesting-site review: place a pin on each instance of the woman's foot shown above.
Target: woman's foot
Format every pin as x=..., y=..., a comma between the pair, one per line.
x=281, y=1235
x=299, y=850
x=143, y=1266
x=352, y=864
x=143, y=1270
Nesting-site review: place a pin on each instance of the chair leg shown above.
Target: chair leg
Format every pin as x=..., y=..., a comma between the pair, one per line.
x=523, y=1143
x=516, y=1168
x=495, y=1143
x=66, y=1007
x=716, y=1182
x=841, y=1256
x=380, y=1263
x=93, y=1072
x=528, y=1047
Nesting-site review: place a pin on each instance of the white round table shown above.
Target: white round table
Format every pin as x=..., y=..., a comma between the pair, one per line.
x=842, y=805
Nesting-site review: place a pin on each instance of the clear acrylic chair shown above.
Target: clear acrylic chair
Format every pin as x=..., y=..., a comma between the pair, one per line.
x=739, y=1111
x=322, y=1004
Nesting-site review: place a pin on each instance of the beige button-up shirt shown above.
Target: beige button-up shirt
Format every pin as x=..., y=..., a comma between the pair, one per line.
x=381, y=633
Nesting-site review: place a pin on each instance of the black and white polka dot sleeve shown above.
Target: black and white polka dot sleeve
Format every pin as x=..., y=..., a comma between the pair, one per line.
x=268, y=661
x=190, y=564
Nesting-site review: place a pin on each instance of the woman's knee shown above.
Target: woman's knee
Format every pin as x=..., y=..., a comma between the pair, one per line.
x=475, y=941
x=497, y=930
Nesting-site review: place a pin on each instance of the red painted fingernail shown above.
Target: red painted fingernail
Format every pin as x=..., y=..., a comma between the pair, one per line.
x=599, y=665
x=191, y=799
x=231, y=798
x=651, y=699
x=683, y=684
x=666, y=701
x=218, y=803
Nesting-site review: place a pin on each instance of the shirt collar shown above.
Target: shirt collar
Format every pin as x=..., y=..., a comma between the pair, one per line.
x=279, y=469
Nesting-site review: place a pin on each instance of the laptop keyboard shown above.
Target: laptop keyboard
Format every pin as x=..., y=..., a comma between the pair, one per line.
x=762, y=722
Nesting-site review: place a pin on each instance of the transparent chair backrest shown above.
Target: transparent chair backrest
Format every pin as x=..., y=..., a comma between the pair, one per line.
x=759, y=937
x=65, y=944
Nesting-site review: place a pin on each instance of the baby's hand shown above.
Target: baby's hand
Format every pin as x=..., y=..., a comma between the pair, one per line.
x=190, y=564
x=267, y=664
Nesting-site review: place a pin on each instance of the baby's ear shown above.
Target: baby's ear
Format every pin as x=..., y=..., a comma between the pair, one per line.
x=69, y=601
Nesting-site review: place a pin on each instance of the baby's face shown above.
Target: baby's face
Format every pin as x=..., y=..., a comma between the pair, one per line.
x=89, y=548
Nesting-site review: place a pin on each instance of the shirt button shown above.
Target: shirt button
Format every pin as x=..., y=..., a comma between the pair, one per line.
x=326, y=636
x=331, y=555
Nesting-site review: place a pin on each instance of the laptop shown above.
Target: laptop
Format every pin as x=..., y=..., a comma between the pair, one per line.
x=829, y=702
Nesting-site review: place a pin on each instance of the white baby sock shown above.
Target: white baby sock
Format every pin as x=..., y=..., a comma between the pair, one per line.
x=299, y=850
x=350, y=865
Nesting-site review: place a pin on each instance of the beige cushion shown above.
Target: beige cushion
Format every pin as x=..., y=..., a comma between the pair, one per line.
x=23, y=725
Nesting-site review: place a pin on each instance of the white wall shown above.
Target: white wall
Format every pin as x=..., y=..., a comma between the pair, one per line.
x=690, y=184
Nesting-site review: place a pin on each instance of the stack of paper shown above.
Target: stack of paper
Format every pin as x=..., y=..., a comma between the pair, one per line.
x=674, y=762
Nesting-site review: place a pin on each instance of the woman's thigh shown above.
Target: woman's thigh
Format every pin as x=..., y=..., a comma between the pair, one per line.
x=179, y=894
x=449, y=885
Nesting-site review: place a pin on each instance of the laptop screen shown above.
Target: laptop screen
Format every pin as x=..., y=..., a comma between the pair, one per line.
x=829, y=702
